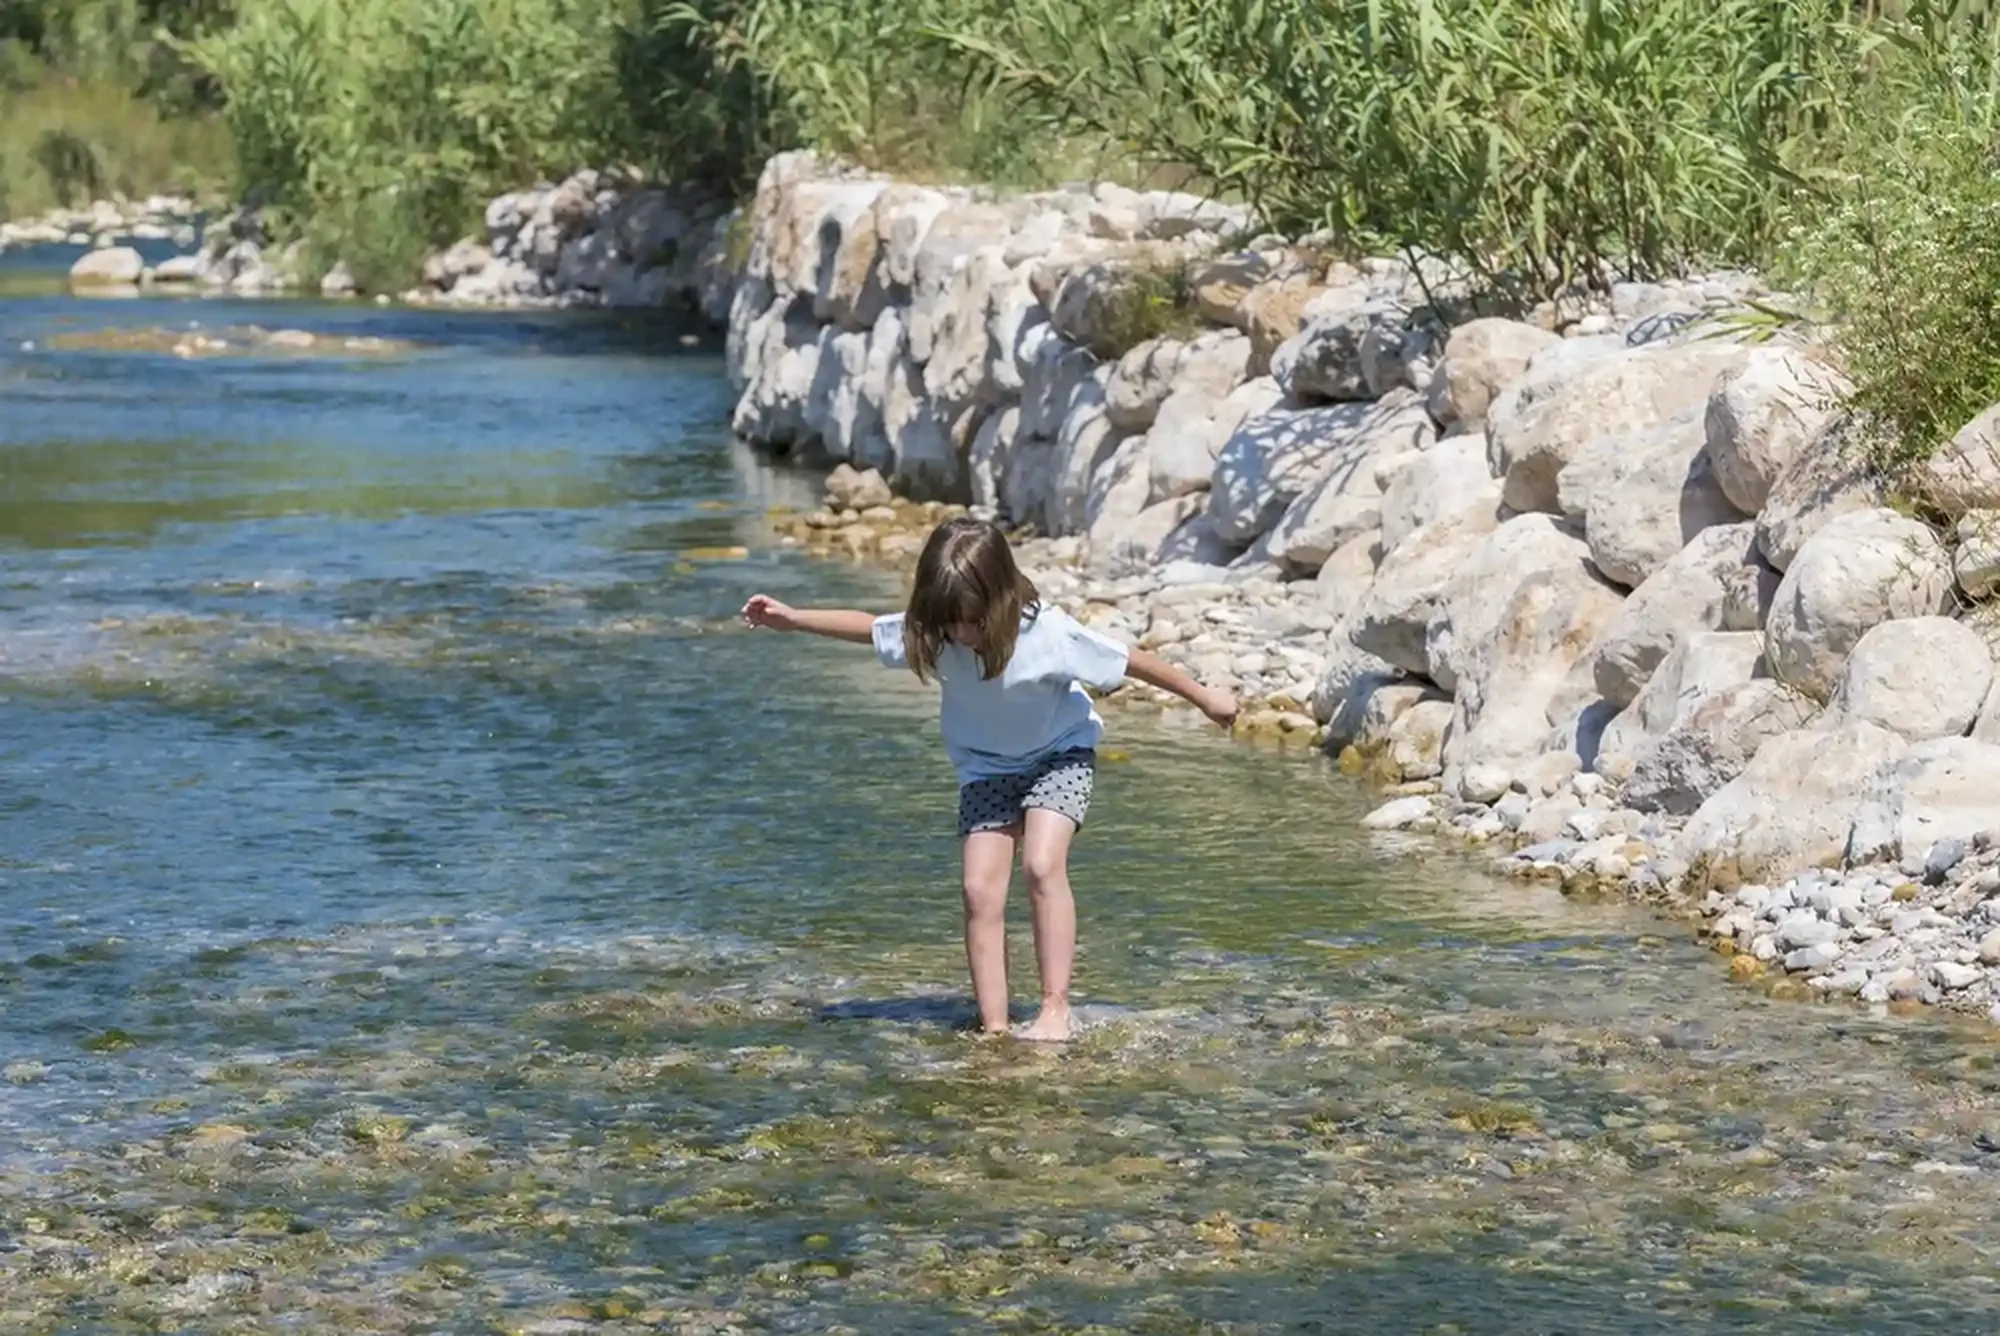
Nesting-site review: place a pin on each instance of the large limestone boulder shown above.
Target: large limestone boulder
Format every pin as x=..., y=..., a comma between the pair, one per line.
x=1121, y=530
x=1792, y=806
x=1199, y=416
x=1272, y=312
x=1322, y=363
x=1762, y=414
x=1936, y=790
x=1700, y=664
x=1086, y=439
x=1449, y=476
x=1975, y=561
x=1539, y=425
x=1221, y=284
x=1346, y=502
x=780, y=354
x=1393, y=619
x=1829, y=476
x=108, y=266
x=1354, y=687
x=1415, y=746
x=1273, y=458
x=1602, y=465
x=1344, y=578
x=1469, y=610
x=1965, y=474
x=1922, y=677
x=962, y=318
x=1514, y=677
x=1861, y=569
x=1710, y=743
x=1482, y=358
x=840, y=410
x=1141, y=382
x=1667, y=497
x=1699, y=589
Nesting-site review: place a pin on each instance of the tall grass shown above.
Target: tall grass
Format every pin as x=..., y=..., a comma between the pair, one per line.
x=93, y=102
x=380, y=127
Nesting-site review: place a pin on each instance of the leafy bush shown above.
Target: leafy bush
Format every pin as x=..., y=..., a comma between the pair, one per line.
x=382, y=126
x=65, y=142
x=1898, y=238
x=1537, y=143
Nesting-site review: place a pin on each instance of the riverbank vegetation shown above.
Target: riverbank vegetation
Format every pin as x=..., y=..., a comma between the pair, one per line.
x=1536, y=145
x=94, y=101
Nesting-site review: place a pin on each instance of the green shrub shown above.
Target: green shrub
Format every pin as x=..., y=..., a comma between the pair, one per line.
x=64, y=143
x=1536, y=143
x=1898, y=238
x=390, y=122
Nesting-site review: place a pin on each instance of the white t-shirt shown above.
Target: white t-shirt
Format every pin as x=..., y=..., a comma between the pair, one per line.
x=1034, y=709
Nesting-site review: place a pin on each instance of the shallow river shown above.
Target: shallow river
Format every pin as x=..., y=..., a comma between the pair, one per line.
x=422, y=911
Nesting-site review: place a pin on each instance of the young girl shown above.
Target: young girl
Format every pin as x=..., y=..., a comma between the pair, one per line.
x=1019, y=729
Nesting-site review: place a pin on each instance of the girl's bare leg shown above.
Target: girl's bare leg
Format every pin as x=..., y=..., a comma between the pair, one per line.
x=989, y=865
x=1045, y=844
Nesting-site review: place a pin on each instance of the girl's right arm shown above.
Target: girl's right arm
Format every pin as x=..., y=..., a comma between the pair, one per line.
x=857, y=628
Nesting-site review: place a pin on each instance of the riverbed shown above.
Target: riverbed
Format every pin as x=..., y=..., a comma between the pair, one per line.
x=422, y=909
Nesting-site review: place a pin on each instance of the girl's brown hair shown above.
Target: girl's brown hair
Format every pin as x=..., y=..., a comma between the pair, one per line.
x=967, y=577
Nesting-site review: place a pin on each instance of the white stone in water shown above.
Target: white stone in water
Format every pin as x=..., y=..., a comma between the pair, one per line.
x=1989, y=947
x=1850, y=980
x=1817, y=956
x=1398, y=813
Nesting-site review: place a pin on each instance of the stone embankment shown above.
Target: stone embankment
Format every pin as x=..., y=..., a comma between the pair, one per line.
x=1604, y=588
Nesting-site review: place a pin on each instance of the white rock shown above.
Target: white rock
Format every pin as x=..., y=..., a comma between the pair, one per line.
x=1272, y=459
x=1142, y=380
x=1513, y=674
x=1793, y=804
x=1828, y=478
x=1416, y=739
x=1965, y=474
x=1710, y=742
x=1324, y=361
x=1398, y=813
x=1952, y=976
x=1941, y=789
x=1704, y=587
x=1665, y=499
x=1762, y=414
x=1922, y=677
x=1976, y=559
x=110, y=266
x=1448, y=477
x=1393, y=619
x=1861, y=569
x=1346, y=501
x=1541, y=424
x=1197, y=419
x=1481, y=358
x=1343, y=581
x=1485, y=783
x=1472, y=605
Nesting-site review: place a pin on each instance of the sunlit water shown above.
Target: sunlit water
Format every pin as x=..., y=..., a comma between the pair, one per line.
x=421, y=910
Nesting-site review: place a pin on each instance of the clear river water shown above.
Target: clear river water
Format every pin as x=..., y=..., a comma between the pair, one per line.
x=422, y=910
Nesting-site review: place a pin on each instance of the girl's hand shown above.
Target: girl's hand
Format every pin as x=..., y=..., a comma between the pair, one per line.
x=1220, y=706
x=765, y=612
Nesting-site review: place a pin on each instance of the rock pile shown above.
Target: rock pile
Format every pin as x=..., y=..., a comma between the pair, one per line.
x=107, y=222
x=1606, y=586
x=593, y=240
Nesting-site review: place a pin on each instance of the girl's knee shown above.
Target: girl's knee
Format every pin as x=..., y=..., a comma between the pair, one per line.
x=985, y=897
x=1046, y=872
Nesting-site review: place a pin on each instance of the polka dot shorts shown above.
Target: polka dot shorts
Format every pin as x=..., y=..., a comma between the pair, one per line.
x=1062, y=783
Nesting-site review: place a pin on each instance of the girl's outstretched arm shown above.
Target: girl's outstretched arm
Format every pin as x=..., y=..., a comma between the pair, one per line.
x=857, y=628
x=1155, y=671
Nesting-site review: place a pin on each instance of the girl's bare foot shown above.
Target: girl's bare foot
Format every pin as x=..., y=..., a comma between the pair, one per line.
x=1053, y=1026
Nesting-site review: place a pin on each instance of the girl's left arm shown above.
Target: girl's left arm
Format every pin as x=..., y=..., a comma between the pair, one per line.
x=1154, y=671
